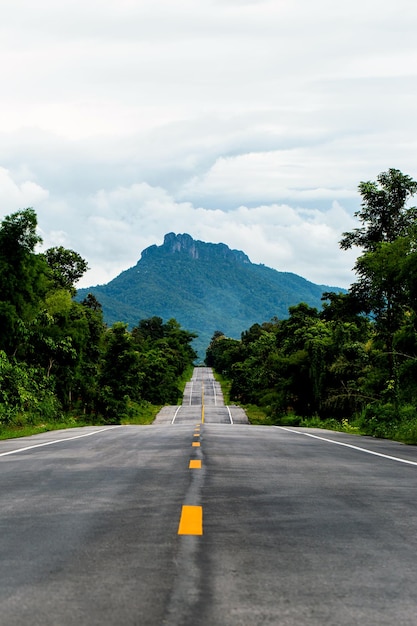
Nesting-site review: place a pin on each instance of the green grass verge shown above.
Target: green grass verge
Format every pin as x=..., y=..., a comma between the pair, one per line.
x=257, y=416
x=141, y=414
x=255, y=413
x=225, y=386
x=12, y=432
x=185, y=378
x=332, y=424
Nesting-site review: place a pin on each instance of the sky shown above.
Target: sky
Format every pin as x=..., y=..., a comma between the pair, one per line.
x=246, y=122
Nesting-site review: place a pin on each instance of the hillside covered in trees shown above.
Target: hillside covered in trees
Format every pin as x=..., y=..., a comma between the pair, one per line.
x=204, y=286
x=353, y=363
x=57, y=356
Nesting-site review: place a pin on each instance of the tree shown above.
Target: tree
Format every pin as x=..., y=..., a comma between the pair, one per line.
x=66, y=266
x=23, y=278
x=384, y=214
x=387, y=239
x=121, y=377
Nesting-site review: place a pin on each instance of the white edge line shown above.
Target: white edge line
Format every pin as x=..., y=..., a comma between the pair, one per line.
x=49, y=443
x=349, y=445
x=175, y=414
x=230, y=415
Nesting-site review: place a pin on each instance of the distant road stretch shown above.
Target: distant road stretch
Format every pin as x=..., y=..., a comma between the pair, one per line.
x=202, y=400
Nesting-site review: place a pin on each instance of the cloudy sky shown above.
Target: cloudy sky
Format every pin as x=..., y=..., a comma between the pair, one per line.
x=247, y=122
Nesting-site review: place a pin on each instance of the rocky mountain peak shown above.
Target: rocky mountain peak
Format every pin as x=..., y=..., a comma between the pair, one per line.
x=185, y=244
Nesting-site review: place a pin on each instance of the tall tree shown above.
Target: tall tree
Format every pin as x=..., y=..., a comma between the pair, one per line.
x=384, y=213
x=23, y=277
x=387, y=239
x=66, y=266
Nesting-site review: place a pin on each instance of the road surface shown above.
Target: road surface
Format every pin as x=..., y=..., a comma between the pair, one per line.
x=298, y=527
x=203, y=398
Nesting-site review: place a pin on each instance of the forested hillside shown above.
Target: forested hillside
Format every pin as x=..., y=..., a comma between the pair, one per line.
x=58, y=359
x=204, y=286
x=353, y=363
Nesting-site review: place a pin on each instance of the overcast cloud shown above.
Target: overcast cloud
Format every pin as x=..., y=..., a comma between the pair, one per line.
x=247, y=122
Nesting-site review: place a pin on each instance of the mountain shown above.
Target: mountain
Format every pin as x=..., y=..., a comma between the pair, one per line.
x=205, y=287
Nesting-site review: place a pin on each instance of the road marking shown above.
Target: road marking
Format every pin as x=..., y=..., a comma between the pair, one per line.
x=191, y=521
x=196, y=434
x=176, y=413
x=230, y=415
x=50, y=443
x=195, y=464
x=349, y=445
x=195, y=444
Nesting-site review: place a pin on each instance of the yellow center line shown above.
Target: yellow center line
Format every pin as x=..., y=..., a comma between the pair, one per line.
x=195, y=464
x=195, y=444
x=191, y=521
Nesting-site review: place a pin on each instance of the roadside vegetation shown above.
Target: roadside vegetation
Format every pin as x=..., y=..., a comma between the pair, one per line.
x=60, y=365
x=352, y=365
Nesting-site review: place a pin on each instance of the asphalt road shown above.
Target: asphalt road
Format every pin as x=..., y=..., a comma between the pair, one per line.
x=296, y=529
x=203, y=398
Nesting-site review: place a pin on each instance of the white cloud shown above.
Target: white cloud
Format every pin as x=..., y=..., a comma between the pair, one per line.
x=124, y=221
x=248, y=122
x=15, y=196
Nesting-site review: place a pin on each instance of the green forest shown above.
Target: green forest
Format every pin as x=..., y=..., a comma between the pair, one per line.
x=60, y=365
x=352, y=365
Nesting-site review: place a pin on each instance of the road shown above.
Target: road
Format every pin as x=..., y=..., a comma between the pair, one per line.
x=299, y=527
x=202, y=398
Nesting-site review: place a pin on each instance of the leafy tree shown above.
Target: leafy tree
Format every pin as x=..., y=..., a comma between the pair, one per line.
x=384, y=214
x=165, y=353
x=222, y=353
x=121, y=376
x=149, y=329
x=66, y=266
x=387, y=239
x=23, y=278
x=87, y=378
x=26, y=396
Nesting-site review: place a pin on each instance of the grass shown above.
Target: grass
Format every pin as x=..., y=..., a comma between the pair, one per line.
x=185, y=378
x=255, y=413
x=332, y=424
x=15, y=431
x=138, y=414
x=225, y=386
x=141, y=414
x=257, y=416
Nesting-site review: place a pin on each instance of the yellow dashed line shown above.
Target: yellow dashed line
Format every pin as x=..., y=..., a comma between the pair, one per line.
x=195, y=464
x=191, y=522
x=195, y=444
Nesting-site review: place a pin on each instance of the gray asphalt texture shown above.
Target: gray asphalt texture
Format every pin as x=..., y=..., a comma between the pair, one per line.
x=296, y=530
